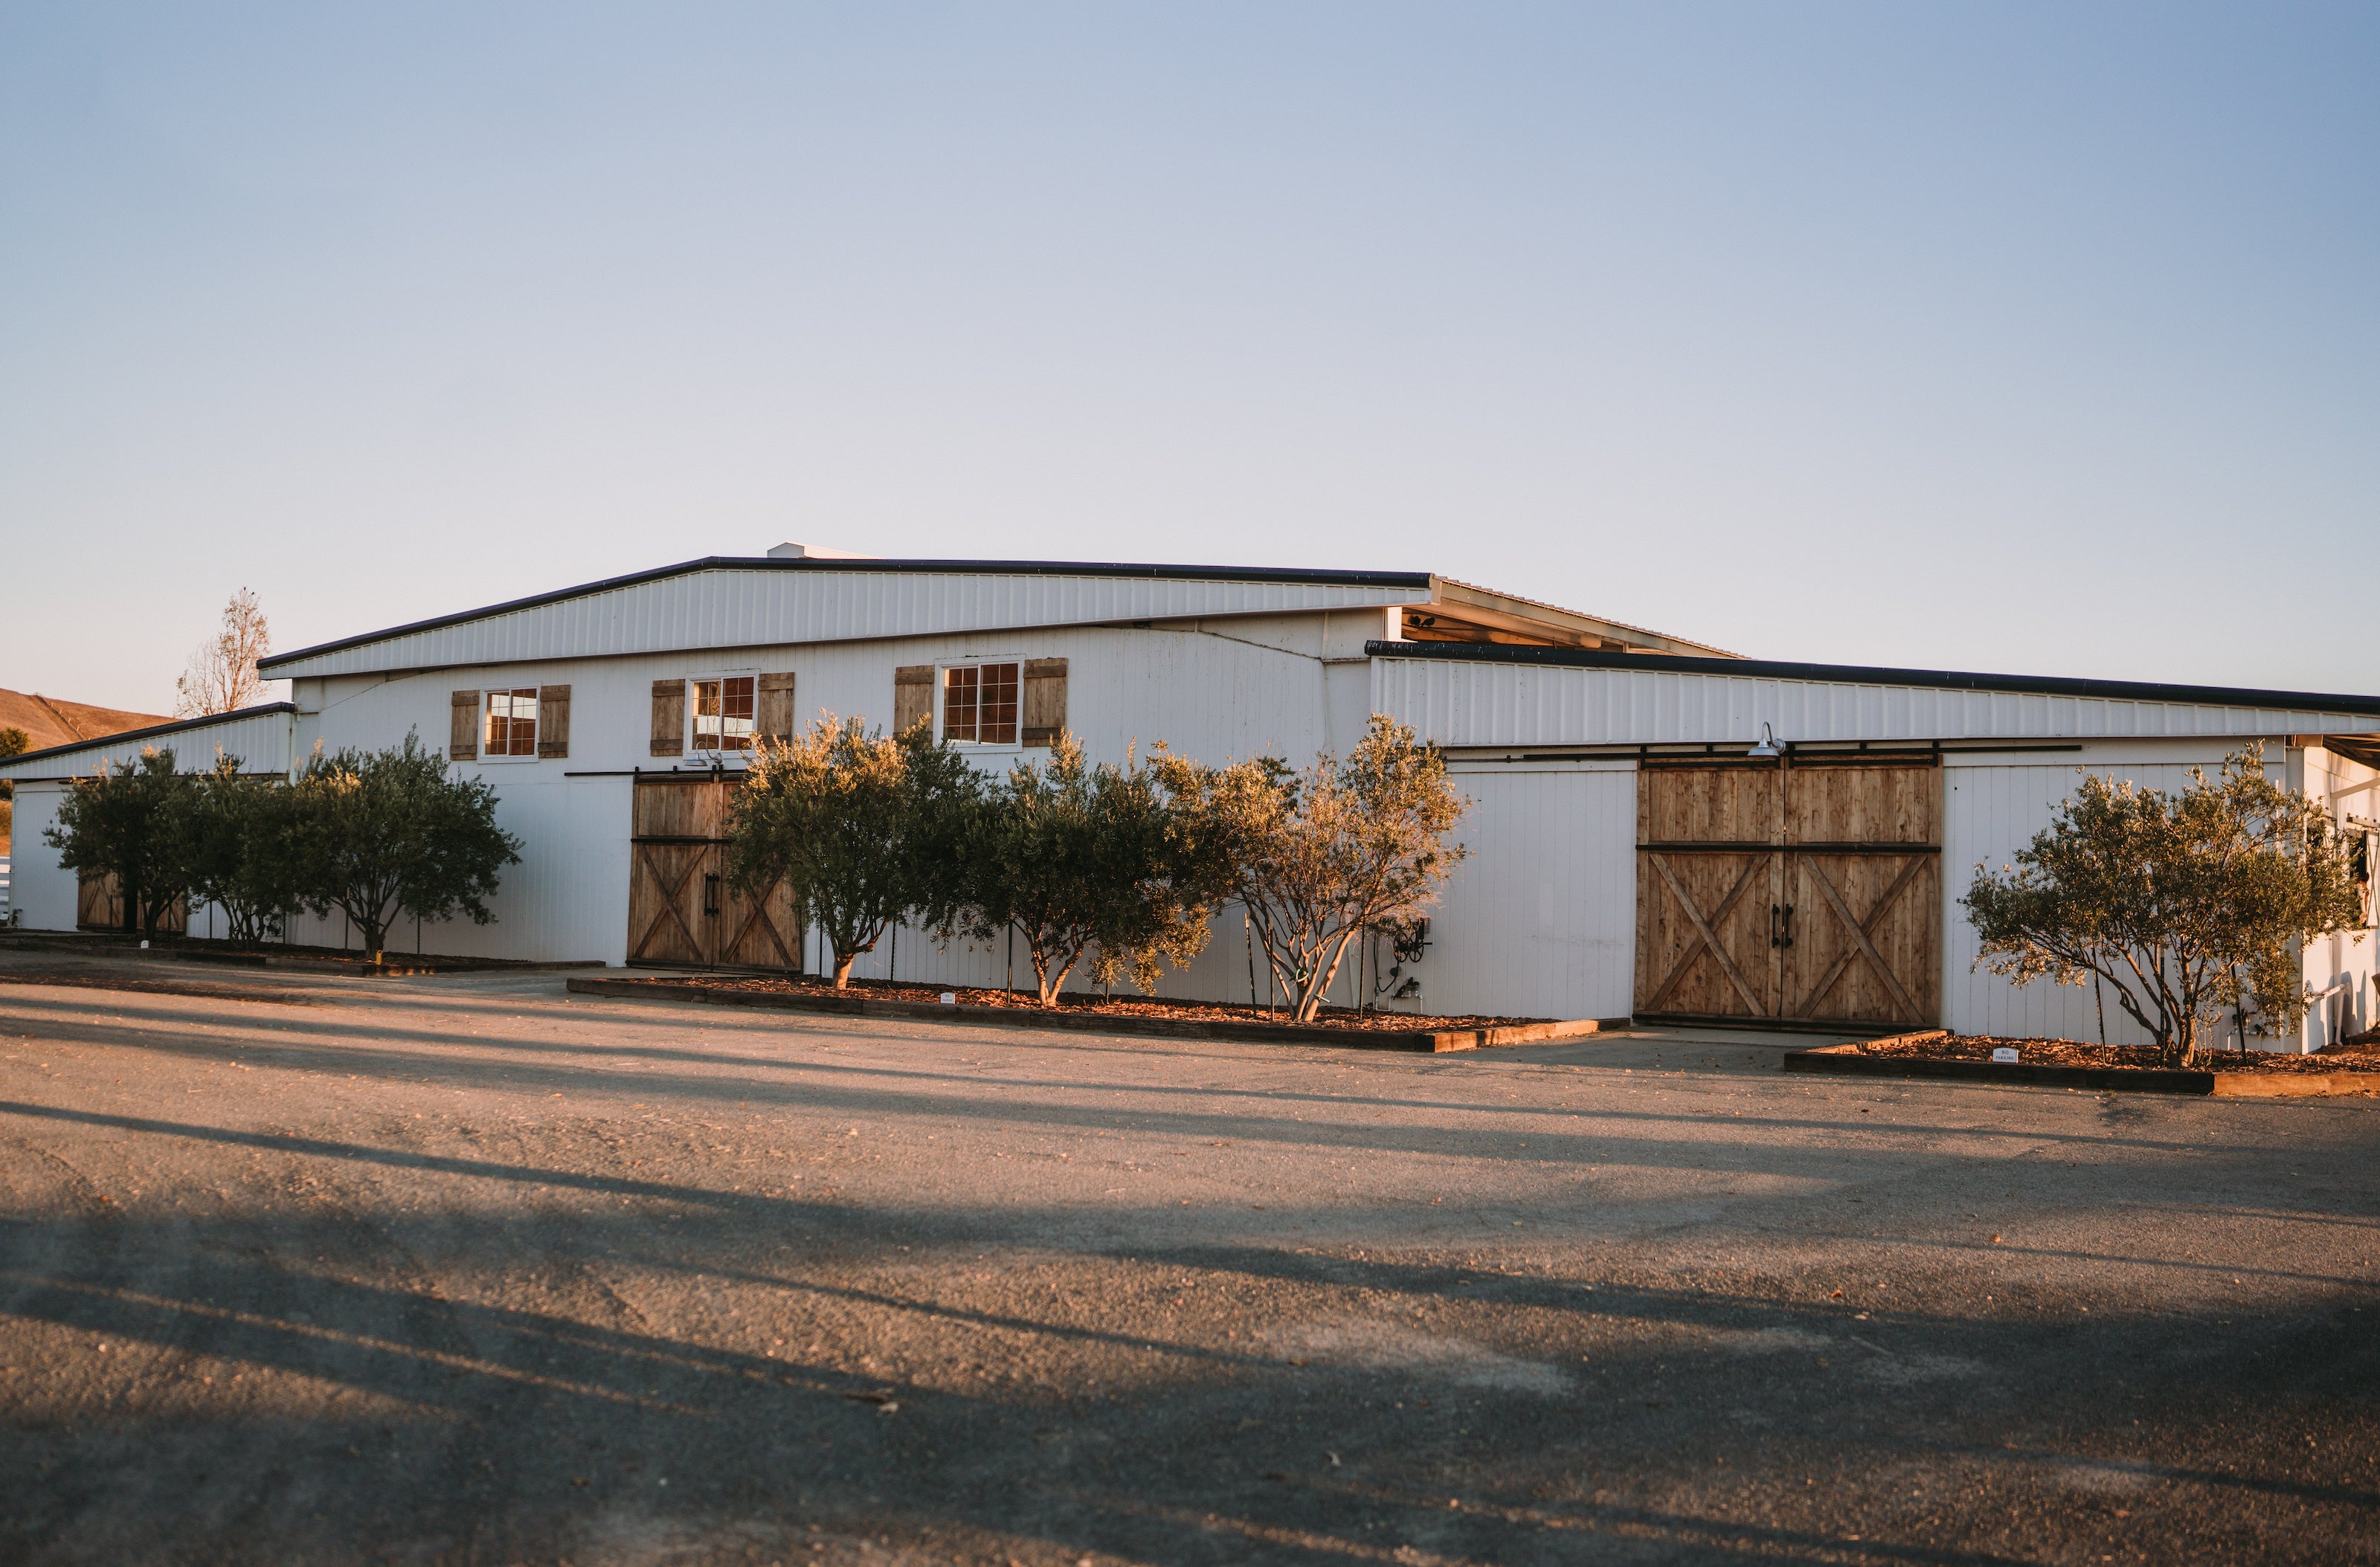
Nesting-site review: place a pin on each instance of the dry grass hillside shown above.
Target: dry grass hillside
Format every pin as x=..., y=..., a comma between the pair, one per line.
x=53, y=721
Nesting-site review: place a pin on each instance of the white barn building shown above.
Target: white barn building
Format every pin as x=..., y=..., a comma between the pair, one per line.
x=1632, y=852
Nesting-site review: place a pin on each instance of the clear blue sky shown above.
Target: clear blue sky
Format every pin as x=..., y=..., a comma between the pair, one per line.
x=2039, y=338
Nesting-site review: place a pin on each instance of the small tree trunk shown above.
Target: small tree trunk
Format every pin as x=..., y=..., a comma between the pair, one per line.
x=1310, y=1003
x=843, y=962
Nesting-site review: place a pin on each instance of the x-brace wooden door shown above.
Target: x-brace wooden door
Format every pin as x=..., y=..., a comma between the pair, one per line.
x=1707, y=891
x=681, y=910
x=1863, y=875
x=1799, y=891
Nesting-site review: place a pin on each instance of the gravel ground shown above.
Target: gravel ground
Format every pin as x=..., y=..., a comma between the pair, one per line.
x=467, y=1270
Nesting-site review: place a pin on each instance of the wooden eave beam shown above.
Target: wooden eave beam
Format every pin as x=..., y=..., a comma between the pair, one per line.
x=1546, y=625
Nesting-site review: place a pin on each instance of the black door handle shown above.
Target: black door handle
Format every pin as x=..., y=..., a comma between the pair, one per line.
x=1789, y=927
x=710, y=895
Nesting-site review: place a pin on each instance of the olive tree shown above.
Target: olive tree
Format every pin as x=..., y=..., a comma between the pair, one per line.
x=2190, y=905
x=377, y=833
x=1318, y=858
x=1082, y=860
x=130, y=820
x=861, y=827
x=242, y=849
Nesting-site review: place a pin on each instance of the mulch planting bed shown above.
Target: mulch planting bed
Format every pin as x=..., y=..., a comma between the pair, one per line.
x=2341, y=1057
x=1084, y=1000
x=1079, y=1010
x=2350, y=1066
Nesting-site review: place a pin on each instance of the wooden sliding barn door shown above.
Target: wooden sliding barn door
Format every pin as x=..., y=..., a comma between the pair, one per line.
x=681, y=911
x=1790, y=891
x=1706, y=887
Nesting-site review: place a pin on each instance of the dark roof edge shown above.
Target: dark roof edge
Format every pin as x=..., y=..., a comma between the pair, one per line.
x=765, y=563
x=1863, y=674
x=105, y=741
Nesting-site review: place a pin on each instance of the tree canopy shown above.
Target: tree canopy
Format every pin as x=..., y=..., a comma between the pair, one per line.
x=131, y=820
x=223, y=676
x=1081, y=860
x=1318, y=858
x=2190, y=905
x=242, y=849
x=858, y=826
x=377, y=833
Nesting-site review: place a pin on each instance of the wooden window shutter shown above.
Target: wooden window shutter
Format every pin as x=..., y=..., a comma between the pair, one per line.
x=1045, y=700
x=773, y=717
x=913, y=696
x=463, y=727
x=552, y=722
x=669, y=718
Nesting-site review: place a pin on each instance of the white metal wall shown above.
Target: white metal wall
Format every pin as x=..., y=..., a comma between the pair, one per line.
x=1541, y=921
x=761, y=606
x=1458, y=702
x=39, y=890
x=1258, y=686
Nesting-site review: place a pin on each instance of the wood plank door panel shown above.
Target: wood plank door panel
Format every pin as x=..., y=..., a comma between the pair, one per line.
x=1867, y=804
x=760, y=932
x=1866, y=935
x=1702, y=934
x=1806, y=891
x=666, y=923
x=681, y=910
x=1707, y=891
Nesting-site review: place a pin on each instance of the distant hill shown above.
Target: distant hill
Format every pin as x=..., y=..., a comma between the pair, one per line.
x=53, y=721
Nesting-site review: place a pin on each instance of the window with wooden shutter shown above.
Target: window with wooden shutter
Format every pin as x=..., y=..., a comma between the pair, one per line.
x=775, y=721
x=723, y=711
x=979, y=703
x=463, y=727
x=669, y=718
x=553, y=722
x=511, y=729
x=1045, y=700
x=913, y=696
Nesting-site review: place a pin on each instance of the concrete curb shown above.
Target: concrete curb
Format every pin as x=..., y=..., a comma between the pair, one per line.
x=1424, y=1041
x=1843, y=1060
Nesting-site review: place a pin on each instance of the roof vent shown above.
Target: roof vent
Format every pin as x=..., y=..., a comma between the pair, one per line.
x=813, y=553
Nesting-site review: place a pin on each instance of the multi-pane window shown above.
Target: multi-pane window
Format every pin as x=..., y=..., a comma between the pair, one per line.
x=723, y=713
x=512, y=723
x=980, y=704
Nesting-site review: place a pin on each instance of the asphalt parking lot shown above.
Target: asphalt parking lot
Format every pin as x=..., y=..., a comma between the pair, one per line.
x=467, y=1270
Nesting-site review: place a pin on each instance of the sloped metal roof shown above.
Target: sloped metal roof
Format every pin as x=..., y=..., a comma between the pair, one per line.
x=260, y=736
x=734, y=602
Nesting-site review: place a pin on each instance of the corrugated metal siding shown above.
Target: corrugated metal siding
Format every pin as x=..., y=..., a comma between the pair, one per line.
x=1483, y=704
x=1541, y=921
x=740, y=609
x=260, y=740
